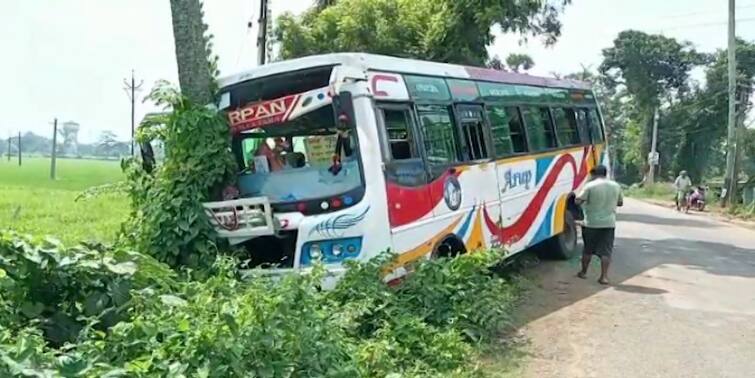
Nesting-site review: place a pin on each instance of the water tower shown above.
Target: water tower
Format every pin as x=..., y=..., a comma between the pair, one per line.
x=70, y=134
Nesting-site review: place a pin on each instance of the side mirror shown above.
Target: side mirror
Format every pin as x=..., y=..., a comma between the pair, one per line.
x=344, y=109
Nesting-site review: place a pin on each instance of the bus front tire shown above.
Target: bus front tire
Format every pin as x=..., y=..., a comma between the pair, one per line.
x=565, y=245
x=450, y=247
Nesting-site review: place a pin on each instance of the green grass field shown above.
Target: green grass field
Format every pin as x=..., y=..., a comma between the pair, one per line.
x=32, y=203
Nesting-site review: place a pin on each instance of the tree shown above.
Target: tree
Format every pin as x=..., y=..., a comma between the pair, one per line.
x=322, y=4
x=455, y=31
x=652, y=68
x=108, y=145
x=700, y=120
x=495, y=63
x=519, y=62
x=196, y=71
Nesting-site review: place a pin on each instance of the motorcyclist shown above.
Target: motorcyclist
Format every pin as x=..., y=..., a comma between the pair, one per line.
x=697, y=196
x=682, y=185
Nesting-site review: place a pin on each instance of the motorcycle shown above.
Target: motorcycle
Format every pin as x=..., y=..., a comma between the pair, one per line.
x=696, y=200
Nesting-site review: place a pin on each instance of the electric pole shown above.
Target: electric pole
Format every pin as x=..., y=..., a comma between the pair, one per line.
x=731, y=144
x=653, y=157
x=54, y=148
x=9, y=145
x=740, y=125
x=262, y=24
x=131, y=93
x=19, y=148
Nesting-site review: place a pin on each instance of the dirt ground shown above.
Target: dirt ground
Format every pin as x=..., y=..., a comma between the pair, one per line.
x=681, y=304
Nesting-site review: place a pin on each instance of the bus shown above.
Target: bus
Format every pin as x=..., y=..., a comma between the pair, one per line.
x=346, y=156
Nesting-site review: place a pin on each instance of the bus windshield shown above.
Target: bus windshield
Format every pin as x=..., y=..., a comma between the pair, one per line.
x=294, y=161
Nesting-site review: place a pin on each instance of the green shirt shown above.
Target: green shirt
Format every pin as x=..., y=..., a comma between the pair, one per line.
x=600, y=198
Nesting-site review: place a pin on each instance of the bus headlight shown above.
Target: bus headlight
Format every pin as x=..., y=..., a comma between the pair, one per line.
x=315, y=253
x=332, y=251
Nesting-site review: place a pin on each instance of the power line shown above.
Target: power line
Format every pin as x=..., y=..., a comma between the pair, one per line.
x=707, y=24
x=697, y=13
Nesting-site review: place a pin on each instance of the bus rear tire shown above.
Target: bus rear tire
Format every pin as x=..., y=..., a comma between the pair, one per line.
x=565, y=245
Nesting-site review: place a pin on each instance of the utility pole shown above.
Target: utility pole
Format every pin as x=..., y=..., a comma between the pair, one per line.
x=731, y=144
x=19, y=148
x=740, y=125
x=653, y=157
x=54, y=148
x=262, y=33
x=9, y=145
x=131, y=93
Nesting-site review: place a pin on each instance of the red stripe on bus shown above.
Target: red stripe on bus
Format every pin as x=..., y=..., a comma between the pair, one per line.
x=409, y=204
x=511, y=234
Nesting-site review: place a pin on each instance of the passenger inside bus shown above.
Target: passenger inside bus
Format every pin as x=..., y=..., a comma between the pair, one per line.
x=274, y=156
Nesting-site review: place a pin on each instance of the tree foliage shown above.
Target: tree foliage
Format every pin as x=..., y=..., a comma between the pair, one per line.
x=520, y=62
x=456, y=31
x=168, y=220
x=651, y=66
x=652, y=69
x=642, y=72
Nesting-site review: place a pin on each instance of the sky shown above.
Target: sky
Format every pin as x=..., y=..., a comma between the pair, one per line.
x=67, y=59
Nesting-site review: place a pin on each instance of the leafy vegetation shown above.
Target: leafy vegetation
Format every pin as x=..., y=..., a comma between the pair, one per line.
x=92, y=311
x=168, y=220
x=643, y=72
x=456, y=31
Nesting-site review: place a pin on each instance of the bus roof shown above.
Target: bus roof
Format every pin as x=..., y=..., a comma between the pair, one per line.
x=371, y=62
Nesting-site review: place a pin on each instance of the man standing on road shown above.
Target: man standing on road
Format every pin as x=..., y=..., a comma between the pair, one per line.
x=682, y=185
x=599, y=199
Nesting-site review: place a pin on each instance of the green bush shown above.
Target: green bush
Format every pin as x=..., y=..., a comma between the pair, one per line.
x=60, y=290
x=168, y=220
x=226, y=326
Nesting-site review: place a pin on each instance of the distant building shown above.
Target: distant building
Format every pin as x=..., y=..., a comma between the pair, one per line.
x=70, y=134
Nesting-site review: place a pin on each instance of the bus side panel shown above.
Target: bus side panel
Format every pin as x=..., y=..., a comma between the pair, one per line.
x=533, y=190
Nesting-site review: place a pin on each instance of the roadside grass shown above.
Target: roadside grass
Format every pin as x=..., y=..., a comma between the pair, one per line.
x=32, y=203
x=657, y=191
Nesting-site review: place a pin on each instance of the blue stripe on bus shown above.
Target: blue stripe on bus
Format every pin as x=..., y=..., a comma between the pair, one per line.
x=464, y=227
x=542, y=167
x=544, y=232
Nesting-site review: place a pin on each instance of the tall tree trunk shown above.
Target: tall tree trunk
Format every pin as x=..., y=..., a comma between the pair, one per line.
x=192, y=51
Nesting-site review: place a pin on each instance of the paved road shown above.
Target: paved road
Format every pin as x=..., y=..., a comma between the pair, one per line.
x=682, y=304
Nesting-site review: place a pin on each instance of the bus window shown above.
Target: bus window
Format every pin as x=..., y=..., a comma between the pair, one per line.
x=438, y=131
x=472, y=124
x=566, y=126
x=539, y=128
x=398, y=124
x=507, y=130
x=583, y=126
x=596, y=131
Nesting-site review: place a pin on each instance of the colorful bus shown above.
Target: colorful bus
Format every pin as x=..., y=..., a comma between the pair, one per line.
x=345, y=156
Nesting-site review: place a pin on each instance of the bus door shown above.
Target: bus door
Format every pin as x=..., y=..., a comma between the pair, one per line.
x=408, y=192
x=479, y=182
x=482, y=183
x=443, y=157
x=585, y=133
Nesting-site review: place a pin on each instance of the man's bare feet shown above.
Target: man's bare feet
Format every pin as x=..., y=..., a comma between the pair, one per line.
x=582, y=275
x=604, y=281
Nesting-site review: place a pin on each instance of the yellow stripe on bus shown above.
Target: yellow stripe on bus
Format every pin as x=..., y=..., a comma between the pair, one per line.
x=558, y=221
x=426, y=247
x=476, y=239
